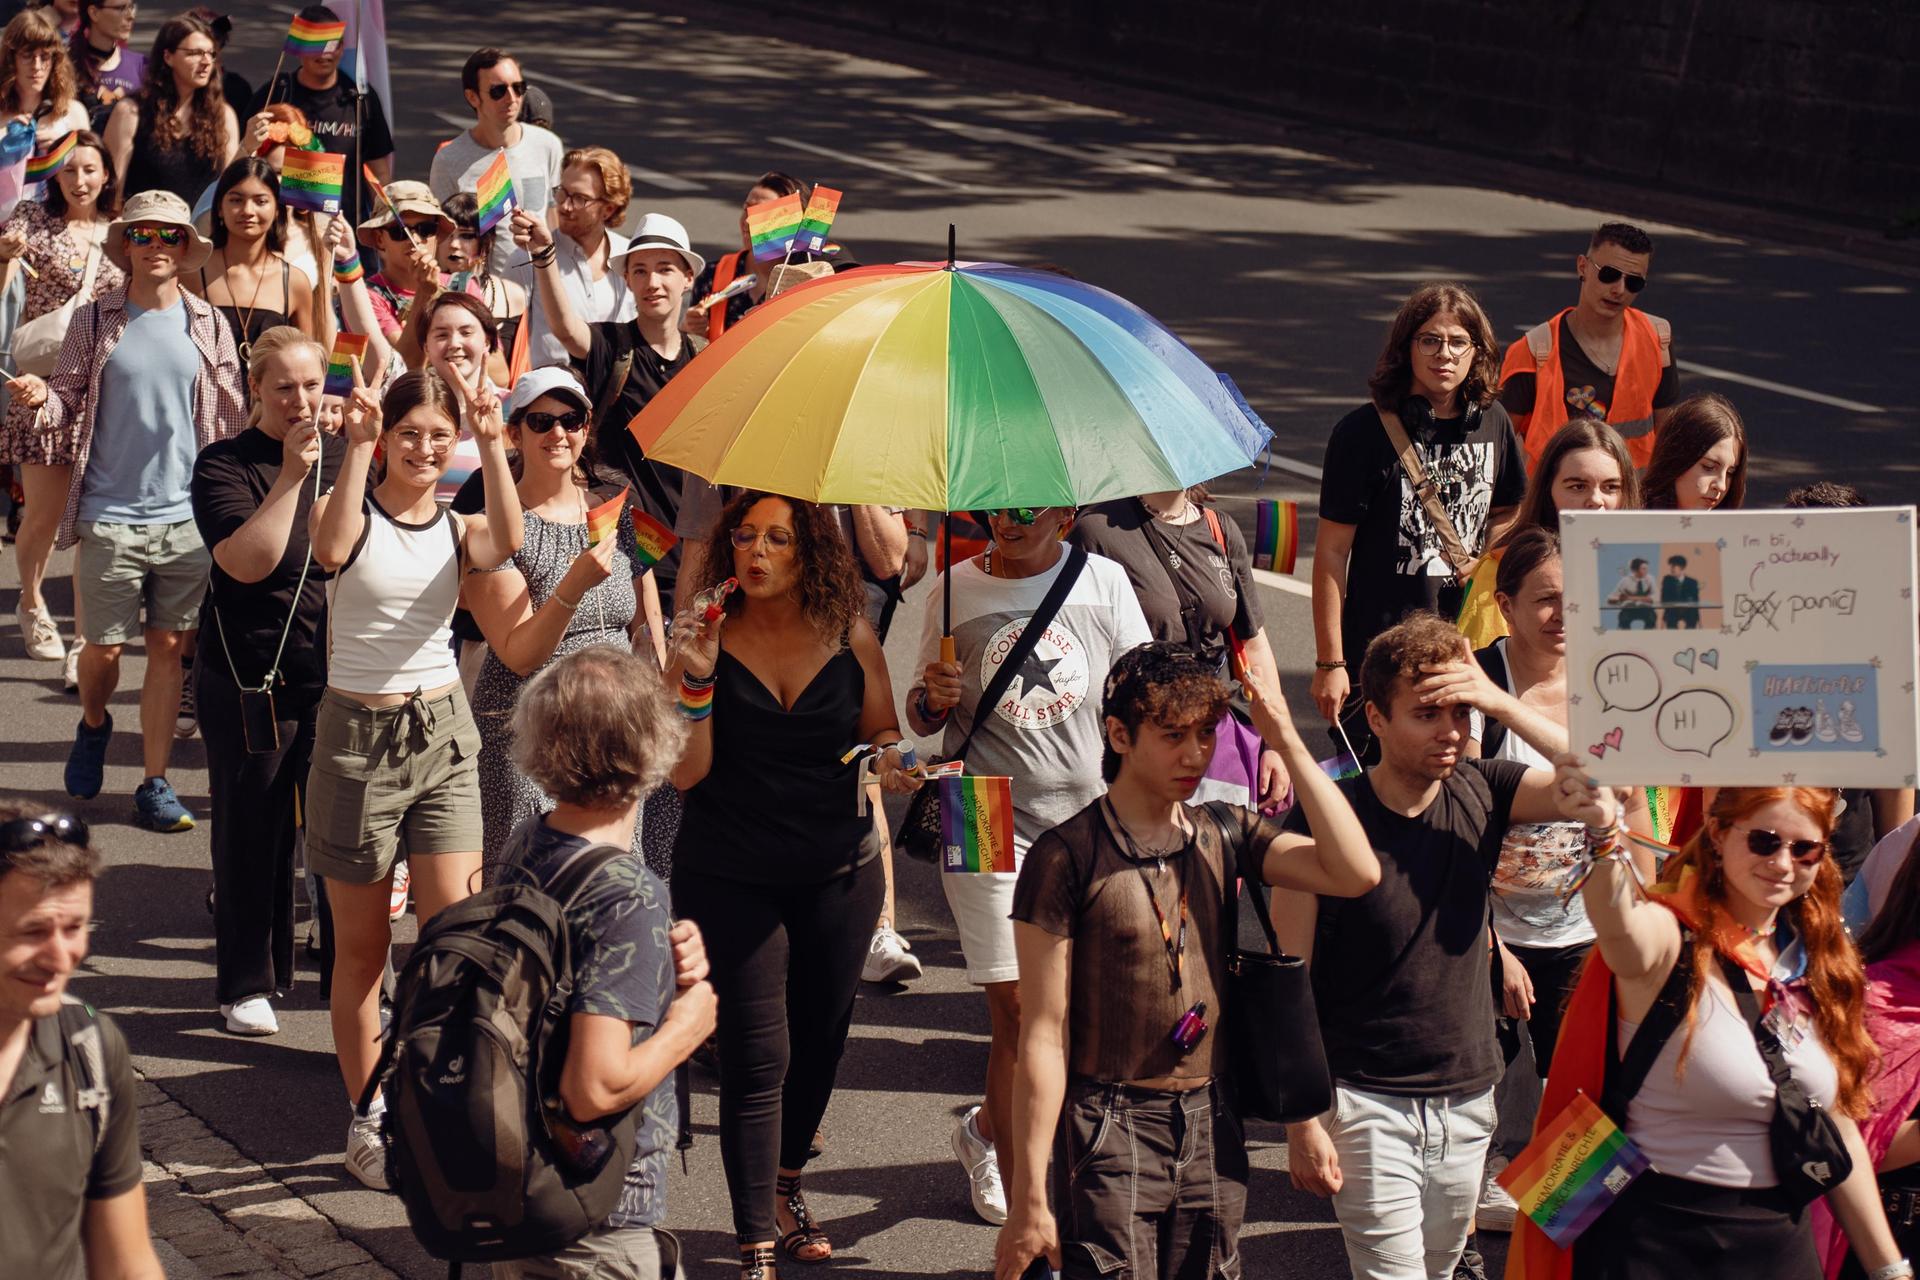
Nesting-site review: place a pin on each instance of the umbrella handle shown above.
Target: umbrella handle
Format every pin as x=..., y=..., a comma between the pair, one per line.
x=948, y=652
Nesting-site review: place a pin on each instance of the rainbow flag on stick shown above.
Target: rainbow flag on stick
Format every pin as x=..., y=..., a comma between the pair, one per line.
x=1276, y=534
x=815, y=222
x=310, y=39
x=773, y=225
x=312, y=180
x=1572, y=1171
x=340, y=363
x=604, y=520
x=52, y=160
x=976, y=824
x=494, y=193
x=653, y=539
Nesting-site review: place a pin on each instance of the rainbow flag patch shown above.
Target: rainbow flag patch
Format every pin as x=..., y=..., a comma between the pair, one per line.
x=494, y=193
x=310, y=39
x=52, y=160
x=1276, y=534
x=604, y=520
x=976, y=824
x=340, y=363
x=652, y=539
x=1573, y=1171
x=312, y=180
x=822, y=205
x=773, y=226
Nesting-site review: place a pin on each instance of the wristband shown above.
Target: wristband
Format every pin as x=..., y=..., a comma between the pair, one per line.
x=349, y=271
x=571, y=606
x=544, y=257
x=1330, y=666
x=696, y=698
x=927, y=713
x=1898, y=1270
x=697, y=683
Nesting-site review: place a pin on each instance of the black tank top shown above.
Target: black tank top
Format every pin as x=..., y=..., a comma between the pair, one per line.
x=778, y=807
x=177, y=168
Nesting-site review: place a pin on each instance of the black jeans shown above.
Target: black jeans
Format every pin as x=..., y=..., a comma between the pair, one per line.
x=1151, y=1185
x=786, y=962
x=1555, y=972
x=253, y=830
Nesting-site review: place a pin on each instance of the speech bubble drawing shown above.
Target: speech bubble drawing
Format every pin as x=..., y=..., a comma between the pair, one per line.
x=1696, y=720
x=1626, y=682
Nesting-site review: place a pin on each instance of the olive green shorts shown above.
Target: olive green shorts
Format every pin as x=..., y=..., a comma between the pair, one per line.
x=390, y=782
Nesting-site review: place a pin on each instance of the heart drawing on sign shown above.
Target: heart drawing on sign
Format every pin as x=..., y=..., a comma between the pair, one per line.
x=1710, y=658
x=1684, y=660
x=1598, y=750
x=1613, y=737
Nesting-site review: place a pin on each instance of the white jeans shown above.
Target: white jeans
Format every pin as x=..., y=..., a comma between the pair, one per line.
x=1410, y=1170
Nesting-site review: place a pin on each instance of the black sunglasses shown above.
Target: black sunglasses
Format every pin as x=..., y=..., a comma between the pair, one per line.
x=23, y=834
x=1607, y=275
x=1764, y=844
x=424, y=230
x=540, y=422
x=517, y=88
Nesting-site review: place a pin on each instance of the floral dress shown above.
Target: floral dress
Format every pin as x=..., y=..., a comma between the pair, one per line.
x=58, y=251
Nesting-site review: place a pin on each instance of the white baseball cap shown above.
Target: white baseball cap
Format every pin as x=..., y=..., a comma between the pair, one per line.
x=658, y=231
x=548, y=380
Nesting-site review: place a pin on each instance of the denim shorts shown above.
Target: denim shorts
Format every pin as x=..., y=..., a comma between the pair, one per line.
x=121, y=567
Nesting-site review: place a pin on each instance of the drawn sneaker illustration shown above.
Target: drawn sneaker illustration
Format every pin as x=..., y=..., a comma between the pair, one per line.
x=1782, y=728
x=1849, y=727
x=1823, y=723
x=1802, y=726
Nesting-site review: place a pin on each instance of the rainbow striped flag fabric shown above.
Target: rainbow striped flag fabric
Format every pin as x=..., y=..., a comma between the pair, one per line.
x=653, y=539
x=340, y=362
x=310, y=39
x=1480, y=620
x=52, y=160
x=976, y=824
x=773, y=226
x=1573, y=1171
x=822, y=205
x=494, y=193
x=1276, y=534
x=1340, y=767
x=604, y=520
x=312, y=180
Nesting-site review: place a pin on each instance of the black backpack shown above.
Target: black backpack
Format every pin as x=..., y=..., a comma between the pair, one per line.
x=484, y=1166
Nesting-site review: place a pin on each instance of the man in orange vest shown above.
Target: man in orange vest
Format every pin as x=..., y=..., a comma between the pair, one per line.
x=1601, y=358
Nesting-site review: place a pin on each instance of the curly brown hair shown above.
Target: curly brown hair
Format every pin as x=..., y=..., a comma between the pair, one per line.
x=1392, y=380
x=831, y=596
x=29, y=31
x=206, y=135
x=1418, y=640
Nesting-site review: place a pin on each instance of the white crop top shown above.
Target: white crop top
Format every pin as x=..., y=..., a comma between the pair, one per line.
x=390, y=606
x=1711, y=1126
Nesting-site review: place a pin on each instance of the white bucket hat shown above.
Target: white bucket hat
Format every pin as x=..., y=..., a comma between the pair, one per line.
x=165, y=209
x=658, y=231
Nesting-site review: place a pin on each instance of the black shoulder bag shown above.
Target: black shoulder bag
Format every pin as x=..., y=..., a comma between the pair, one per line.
x=1275, y=1055
x=920, y=828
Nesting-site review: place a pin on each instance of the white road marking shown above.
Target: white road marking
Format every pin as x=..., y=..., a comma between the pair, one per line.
x=845, y=158
x=665, y=181
x=1281, y=582
x=1798, y=393
x=545, y=78
x=1281, y=462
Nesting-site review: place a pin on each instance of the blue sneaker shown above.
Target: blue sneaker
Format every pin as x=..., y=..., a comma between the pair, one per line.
x=156, y=808
x=87, y=762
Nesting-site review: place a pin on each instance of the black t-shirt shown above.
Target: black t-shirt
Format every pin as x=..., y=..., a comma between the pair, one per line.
x=230, y=481
x=1397, y=564
x=1588, y=389
x=1854, y=832
x=656, y=487
x=1400, y=974
x=1190, y=589
x=330, y=112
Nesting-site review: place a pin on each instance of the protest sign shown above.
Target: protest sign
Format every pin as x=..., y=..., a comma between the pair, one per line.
x=1742, y=648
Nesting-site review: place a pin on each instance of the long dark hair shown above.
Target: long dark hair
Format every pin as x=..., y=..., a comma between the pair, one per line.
x=232, y=176
x=1528, y=550
x=1898, y=922
x=1537, y=509
x=462, y=209
x=1392, y=380
x=108, y=201
x=412, y=390
x=831, y=596
x=206, y=132
x=1696, y=425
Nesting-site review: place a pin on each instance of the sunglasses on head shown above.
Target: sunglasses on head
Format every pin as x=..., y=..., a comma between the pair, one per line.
x=540, y=422
x=1608, y=275
x=144, y=236
x=23, y=834
x=518, y=88
x=1764, y=844
x=424, y=230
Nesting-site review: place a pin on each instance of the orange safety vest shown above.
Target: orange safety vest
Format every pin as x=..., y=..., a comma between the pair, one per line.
x=724, y=272
x=1644, y=352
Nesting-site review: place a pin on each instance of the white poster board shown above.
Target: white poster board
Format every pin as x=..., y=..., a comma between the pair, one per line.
x=1742, y=648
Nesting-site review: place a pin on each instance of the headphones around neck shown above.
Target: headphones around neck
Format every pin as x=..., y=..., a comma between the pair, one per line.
x=1417, y=414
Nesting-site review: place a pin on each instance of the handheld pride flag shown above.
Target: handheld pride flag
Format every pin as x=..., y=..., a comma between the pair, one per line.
x=494, y=193
x=340, y=363
x=653, y=539
x=310, y=39
x=1569, y=1175
x=312, y=180
x=773, y=225
x=52, y=160
x=976, y=824
x=604, y=520
x=822, y=205
x=1276, y=534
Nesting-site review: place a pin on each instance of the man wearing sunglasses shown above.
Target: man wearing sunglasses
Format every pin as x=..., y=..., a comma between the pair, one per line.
x=71, y=1199
x=1601, y=358
x=496, y=91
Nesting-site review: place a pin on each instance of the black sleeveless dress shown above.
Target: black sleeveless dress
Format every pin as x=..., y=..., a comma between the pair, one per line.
x=177, y=168
x=248, y=324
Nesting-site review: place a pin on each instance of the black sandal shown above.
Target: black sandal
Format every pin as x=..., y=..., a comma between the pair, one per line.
x=806, y=1232
x=756, y=1262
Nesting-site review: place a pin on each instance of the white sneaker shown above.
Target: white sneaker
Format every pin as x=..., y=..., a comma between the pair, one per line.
x=1496, y=1209
x=41, y=635
x=187, y=723
x=250, y=1017
x=982, y=1164
x=888, y=958
x=366, y=1157
x=397, y=899
x=70, y=673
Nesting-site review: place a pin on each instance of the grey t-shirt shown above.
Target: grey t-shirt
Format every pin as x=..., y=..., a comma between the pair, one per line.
x=1045, y=733
x=533, y=162
x=141, y=468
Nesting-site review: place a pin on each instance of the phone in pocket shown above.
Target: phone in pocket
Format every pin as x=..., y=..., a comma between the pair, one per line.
x=259, y=726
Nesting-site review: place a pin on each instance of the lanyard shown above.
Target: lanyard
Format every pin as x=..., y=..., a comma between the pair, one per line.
x=1176, y=945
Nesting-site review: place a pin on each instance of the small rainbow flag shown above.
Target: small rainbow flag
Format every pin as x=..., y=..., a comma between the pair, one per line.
x=815, y=222
x=1276, y=534
x=310, y=39
x=1340, y=767
x=1573, y=1171
x=312, y=180
x=604, y=520
x=52, y=160
x=340, y=364
x=773, y=224
x=976, y=824
x=494, y=193
x=651, y=538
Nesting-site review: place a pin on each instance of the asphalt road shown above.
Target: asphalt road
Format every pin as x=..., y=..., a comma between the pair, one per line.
x=1278, y=254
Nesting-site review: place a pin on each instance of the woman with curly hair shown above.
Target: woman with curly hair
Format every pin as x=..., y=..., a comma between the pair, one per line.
x=180, y=132
x=1734, y=974
x=776, y=861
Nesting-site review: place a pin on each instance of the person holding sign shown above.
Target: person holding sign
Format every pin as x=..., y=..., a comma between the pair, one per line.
x=248, y=278
x=560, y=592
x=1720, y=1028
x=1101, y=985
x=777, y=860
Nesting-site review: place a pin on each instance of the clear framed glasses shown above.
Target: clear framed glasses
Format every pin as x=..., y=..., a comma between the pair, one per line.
x=778, y=539
x=433, y=441
x=1432, y=344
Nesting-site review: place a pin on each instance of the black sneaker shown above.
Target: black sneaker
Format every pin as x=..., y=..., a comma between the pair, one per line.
x=1782, y=727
